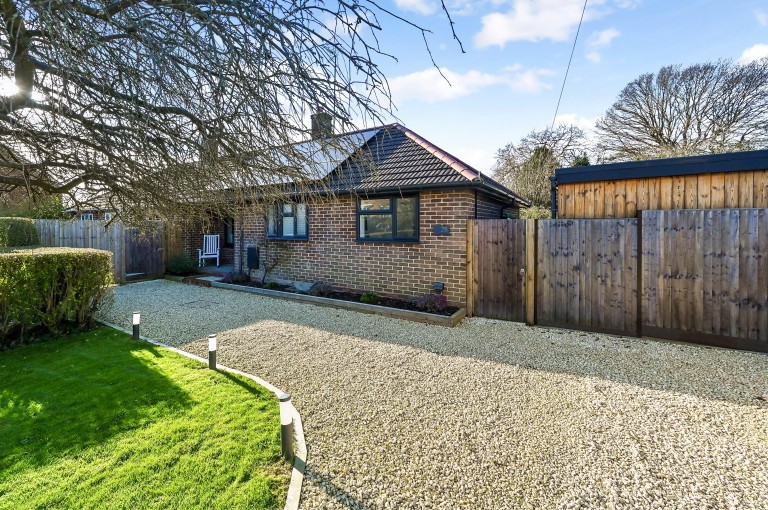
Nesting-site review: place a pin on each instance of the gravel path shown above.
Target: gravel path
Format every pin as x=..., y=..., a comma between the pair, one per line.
x=490, y=414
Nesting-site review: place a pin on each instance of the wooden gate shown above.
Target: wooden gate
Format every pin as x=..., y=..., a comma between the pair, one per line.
x=143, y=254
x=494, y=263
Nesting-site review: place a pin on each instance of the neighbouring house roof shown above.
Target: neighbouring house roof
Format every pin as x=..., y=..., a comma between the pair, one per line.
x=396, y=159
x=690, y=165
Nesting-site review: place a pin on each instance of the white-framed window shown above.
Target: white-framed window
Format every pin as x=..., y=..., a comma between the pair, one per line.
x=287, y=221
x=107, y=216
x=86, y=216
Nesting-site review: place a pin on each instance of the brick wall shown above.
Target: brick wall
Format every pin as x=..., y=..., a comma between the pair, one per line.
x=394, y=269
x=192, y=240
x=332, y=254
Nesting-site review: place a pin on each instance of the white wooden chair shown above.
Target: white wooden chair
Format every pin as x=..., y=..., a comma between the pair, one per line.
x=210, y=249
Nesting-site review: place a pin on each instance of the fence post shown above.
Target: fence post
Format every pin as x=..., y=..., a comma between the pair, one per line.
x=124, y=244
x=470, y=268
x=531, y=227
x=639, y=297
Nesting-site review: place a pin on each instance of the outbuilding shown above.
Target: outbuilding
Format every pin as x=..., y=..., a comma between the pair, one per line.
x=620, y=190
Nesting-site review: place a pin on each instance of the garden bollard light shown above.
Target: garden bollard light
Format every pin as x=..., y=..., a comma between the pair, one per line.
x=286, y=426
x=212, y=352
x=136, y=320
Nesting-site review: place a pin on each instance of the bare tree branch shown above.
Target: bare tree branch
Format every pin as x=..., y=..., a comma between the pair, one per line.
x=525, y=167
x=704, y=108
x=159, y=105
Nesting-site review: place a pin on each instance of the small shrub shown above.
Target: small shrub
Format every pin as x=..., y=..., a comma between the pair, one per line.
x=18, y=232
x=50, y=290
x=370, y=298
x=182, y=265
x=236, y=277
x=321, y=289
x=535, y=213
x=432, y=303
x=272, y=286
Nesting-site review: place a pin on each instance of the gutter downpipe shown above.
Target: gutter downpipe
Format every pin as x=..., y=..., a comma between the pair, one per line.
x=553, y=194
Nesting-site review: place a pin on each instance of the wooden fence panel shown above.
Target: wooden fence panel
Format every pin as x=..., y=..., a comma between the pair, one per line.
x=587, y=274
x=694, y=275
x=705, y=276
x=86, y=234
x=496, y=254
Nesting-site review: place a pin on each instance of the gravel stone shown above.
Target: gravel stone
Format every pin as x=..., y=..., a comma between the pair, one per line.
x=489, y=414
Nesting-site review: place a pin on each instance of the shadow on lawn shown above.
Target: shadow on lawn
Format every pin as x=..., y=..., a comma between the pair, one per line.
x=64, y=396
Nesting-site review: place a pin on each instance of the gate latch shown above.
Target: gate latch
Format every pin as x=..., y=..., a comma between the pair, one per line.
x=522, y=271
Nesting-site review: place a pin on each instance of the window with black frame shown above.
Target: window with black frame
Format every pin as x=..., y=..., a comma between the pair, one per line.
x=388, y=219
x=287, y=221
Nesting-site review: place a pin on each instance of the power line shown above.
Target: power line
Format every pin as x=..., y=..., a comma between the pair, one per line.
x=583, y=10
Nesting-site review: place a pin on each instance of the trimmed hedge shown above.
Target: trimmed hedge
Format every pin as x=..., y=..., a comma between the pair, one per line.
x=18, y=232
x=50, y=290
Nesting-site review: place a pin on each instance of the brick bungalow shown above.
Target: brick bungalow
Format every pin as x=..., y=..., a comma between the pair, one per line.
x=394, y=224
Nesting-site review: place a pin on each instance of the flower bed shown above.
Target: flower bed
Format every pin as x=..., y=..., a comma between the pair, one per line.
x=450, y=317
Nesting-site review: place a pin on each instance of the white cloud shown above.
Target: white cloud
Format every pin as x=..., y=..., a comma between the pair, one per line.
x=762, y=18
x=421, y=6
x=603, y=38
x=628, y=4
x=597, y=40
x=481, y=158
x=428, y=86
x=755, y=52
x=530, y=80
x=584, y=123
x=533, y=20
x=574, y=119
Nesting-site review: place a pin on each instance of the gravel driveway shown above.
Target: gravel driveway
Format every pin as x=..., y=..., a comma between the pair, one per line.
x=490, y=414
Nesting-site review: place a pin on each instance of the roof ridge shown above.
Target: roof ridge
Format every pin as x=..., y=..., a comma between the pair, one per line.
x=355, y=132
x=452, y=161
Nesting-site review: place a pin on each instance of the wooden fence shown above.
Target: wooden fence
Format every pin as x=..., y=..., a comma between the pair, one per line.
x=135, y=254
x=695, y=275
x=587, y=274
x=705, y=276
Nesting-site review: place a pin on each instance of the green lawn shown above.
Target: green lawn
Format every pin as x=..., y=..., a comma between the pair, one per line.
x=97, y=420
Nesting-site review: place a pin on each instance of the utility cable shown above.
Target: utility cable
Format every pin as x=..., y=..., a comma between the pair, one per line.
x=573, y=49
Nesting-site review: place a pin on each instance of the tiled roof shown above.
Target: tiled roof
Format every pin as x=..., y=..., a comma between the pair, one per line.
x=396, y=158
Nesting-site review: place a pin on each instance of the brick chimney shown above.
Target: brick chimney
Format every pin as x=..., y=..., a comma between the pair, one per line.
x=322, y=124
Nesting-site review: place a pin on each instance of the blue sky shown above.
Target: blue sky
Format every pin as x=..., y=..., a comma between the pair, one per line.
x=508, y=81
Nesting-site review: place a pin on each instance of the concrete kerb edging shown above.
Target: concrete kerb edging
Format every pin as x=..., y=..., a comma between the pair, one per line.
x=300, y=456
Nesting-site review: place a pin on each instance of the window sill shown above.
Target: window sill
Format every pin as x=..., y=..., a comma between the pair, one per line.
x=287, y=238
x=387, y=241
